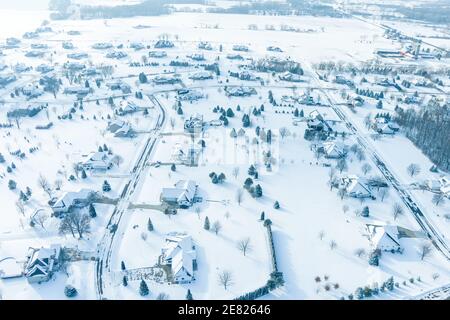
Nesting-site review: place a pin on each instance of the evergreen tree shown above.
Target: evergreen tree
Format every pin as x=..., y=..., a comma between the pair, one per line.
x=142, y=78
x=248, y=183
x=83, y=174
x=2, y=158
x=269, y=136
x=296, y=113
x=173, y=167
x=365, y=212
x=373, y=258
x=106, y=186
x=251, y=170
x=230, y=113
x=390, y=284
x=302, y=114
x=70, y=291
x=258, y=191
x=276, y=205
x=28, y=192
x=12, y=185
x=379, y=104
x=150, y=225
x=122, y=266
x=189, y=295
x=262, y=216
x=143, y=289
x=125, y=281
x=179, y=111
x=359, y=293
x=92, y=211
x=206, y=226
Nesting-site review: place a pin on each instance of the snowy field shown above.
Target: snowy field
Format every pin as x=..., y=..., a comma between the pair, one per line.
x=317, y=233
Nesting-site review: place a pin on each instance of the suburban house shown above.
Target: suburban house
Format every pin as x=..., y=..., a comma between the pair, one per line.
x=102, y=46
x=81, y=91
x=240, y=47
x=355, y=188
x=441, y=185
x=119, y=85
x=127, y=107
x=100, y=160
x=77, y=55
x=334, y=150
x=183, y=194
x=121, y=129
x=71, y=200
x=164, y=44
x=189, y=95
x=201, y=75
x=384, y=126
x=194, y=124
x=240, y=91
x=42, y=263
x=166, y=80
x=157, y=54
x=179, y=254
x=387, y=237
x=290, y=77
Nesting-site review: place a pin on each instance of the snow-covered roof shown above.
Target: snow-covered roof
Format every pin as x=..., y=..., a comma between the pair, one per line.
x=180, y=249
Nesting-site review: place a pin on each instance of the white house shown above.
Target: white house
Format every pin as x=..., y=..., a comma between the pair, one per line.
x=42, y=263
x=355, y=188
x=179, y=253
x=71, y=200
x=97, y=161
x=385, y=238
x=182, y=194
x=334, y=150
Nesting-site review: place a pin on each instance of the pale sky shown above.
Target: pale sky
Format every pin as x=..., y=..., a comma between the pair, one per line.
x=24, y=4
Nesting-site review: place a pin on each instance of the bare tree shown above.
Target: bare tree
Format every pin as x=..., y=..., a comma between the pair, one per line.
x=345, y=208
x=172, y=123
x=413, y=169
x=58, y=184
x=366, y=168
x=75, y=223
x=216, y=227
x=117, y=160
x=342, y=193
x=384, y=192
x=162, y=296
x=342, y=165
x=20, y=207
x=225, y=279
x=333, y=244
x=244, y=245
x=235, y=172
x=425, y=250
x=45, y=186
x=239, y=196
x=360, y=252
x=321, y=234
x=284, y=132
x=40, y=217
x=397, y=211
x=438, y=199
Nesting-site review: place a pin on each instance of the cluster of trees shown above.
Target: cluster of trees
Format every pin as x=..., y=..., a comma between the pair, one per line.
x=429, y=130
x=370, y=93
x=217, y=178
x=369, y=291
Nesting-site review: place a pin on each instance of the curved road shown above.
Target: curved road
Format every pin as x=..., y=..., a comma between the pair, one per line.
x=106, y=245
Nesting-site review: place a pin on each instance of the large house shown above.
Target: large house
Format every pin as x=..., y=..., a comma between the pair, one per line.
x=334, y=150
x=42, y=263
x=355, y=188
x=385, y=238
x=121, y=129
x=100, y=160
x=179, y=254
x=183, y=194
x=72, y=200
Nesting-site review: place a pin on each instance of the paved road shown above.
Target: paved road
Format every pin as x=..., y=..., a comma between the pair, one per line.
x=407, y=198
x=106, y=245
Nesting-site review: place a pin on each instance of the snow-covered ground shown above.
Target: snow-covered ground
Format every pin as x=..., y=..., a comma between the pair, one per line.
x=316, y=233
